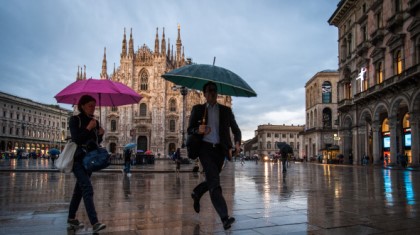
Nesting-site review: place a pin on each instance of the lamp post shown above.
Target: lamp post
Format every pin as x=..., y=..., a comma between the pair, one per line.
x=184, y=91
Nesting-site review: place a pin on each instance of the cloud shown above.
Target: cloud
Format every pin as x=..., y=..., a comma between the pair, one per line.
x=275, y=46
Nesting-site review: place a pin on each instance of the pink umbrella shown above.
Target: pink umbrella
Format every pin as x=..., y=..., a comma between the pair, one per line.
x=106, y=92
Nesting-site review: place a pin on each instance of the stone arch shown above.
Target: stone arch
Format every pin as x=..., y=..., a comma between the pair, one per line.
x=396, y=103
x=415, y=102
x=365, y=134
x=399, y=107
x=380, y=113
x=380, y=108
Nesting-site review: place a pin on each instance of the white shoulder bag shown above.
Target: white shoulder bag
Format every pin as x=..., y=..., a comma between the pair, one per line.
x=64, y=163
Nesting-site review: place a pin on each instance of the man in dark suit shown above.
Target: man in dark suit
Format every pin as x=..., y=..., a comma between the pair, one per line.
x=213, y=123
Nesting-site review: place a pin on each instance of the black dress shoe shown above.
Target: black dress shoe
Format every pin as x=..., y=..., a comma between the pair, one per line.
x=227, y=223
x=196, y=202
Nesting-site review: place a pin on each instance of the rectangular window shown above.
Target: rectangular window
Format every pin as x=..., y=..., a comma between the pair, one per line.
x=268, y=134
x=364, y=33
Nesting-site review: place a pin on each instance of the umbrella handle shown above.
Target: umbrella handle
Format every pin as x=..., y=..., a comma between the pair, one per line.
x=204, y=116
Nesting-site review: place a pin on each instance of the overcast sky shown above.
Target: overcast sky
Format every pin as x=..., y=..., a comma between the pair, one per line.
x=276, y=46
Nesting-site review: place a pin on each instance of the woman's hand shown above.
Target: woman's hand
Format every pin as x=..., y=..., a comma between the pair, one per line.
x=91, y=124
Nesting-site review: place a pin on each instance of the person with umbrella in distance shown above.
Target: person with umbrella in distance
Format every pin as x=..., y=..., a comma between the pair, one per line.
x=127, y=161
x=285, y=149
x=87, y=134
x=213, y=123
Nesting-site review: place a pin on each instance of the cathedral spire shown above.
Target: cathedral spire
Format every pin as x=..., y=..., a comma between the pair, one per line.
x=124, y=47
x=169, y=48
x=104, y=74
x=84, y=74
x=172, y=53
x=157, y=44
x=78, y=75
x=183, y=57
x=163, y=44
x=178, y=45
x=130, y=45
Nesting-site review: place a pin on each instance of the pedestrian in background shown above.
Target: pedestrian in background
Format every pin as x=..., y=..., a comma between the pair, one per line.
x=216, y=144
x=127, y=161
x=87, y=134
x=177, y=157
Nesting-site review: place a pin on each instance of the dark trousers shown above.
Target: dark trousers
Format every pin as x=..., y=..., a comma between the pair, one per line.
x=284, y=165
x=212, y=159
x=82, y=189
x=127, y=165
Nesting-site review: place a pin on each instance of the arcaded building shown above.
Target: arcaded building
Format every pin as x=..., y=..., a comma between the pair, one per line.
x=30, y=126
x=378, y=87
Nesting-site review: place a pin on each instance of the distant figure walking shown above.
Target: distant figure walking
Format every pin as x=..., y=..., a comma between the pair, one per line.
x=127, y=161
x=177, y=158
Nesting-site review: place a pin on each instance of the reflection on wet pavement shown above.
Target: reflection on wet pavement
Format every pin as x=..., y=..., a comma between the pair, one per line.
x=308, y=199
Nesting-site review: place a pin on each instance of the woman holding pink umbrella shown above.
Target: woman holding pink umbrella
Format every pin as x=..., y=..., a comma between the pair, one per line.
x=87, y=134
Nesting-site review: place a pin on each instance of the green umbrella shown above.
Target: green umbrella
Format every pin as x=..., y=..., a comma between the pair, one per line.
x=196, y=75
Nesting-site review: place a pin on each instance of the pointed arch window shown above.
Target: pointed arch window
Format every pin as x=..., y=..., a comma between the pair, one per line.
x=172, y=105
x=143, y=110
x=144, y=81
x=326, y=92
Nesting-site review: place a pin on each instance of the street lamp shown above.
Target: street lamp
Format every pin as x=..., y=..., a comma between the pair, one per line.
x=184, y=92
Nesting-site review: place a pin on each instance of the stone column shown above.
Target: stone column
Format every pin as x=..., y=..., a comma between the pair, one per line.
x=377, y=153
x=415, y=144
x=356, y=146
x=392, y=121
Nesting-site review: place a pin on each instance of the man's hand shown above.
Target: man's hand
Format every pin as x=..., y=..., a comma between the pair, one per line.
x=204, y=129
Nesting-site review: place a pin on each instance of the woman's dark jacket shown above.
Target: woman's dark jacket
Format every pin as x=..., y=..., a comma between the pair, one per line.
x=86, y=140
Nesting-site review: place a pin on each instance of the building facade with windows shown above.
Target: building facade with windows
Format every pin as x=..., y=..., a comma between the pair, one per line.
x=378, y=87
x=320, y=135
x=156, y=122
x=29, y=126
x=266, y=137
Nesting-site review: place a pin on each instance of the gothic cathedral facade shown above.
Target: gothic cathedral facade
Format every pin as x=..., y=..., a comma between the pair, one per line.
x=157, y=122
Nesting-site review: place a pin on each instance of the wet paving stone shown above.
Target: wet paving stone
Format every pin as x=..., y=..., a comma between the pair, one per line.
x=309, y=199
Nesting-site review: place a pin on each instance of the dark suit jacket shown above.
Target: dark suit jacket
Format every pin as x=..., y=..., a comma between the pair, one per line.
x=227, y=123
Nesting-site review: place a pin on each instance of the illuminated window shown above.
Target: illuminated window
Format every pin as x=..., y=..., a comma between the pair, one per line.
x=385, y=125
x=379, y=73
x=398, y=63
x=326, y=92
